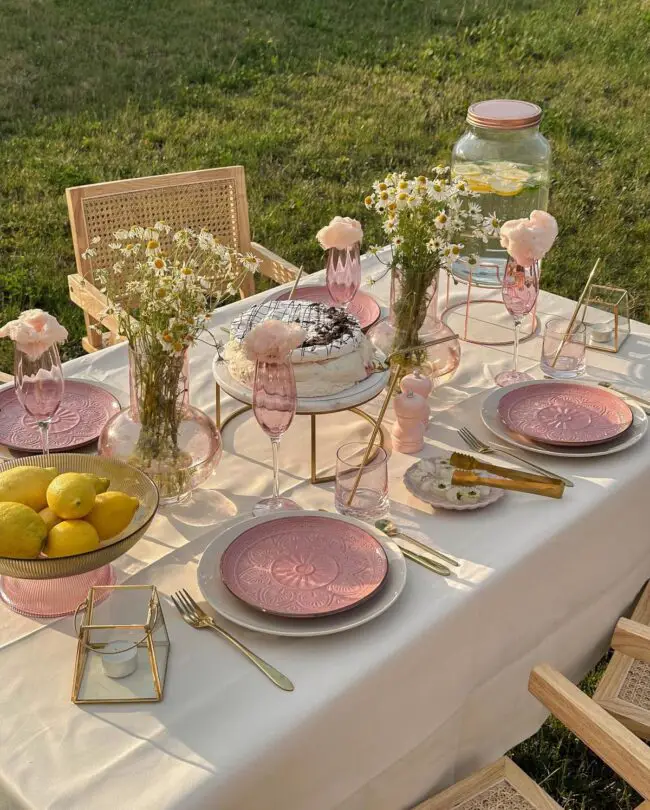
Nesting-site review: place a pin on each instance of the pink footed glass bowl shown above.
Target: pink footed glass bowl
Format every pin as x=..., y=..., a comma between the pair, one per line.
x=45, y=586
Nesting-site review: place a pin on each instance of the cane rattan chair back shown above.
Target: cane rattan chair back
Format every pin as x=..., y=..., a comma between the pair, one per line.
x=624, y=689
x=504, y=786
x=209, y=199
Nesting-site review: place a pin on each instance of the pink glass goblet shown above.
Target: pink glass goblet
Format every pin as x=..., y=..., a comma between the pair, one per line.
x=343, y=274
x=274, y=406
x=39, y=387
x=519, y=289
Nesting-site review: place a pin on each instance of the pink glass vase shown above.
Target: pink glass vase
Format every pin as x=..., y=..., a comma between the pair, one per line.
x=160, y=433
x=343, y=274
x=413, y=321
x=274, y=406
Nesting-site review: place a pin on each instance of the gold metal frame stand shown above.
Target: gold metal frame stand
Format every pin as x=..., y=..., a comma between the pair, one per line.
x=314, y=477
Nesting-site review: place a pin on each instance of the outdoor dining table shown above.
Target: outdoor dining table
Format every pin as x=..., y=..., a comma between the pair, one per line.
x=382, y=715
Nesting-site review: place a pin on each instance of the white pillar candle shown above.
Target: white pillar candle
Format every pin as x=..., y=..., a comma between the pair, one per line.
x=122, y=661
x=602, y=332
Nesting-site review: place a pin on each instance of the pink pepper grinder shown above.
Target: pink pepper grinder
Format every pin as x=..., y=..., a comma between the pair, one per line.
x=411, y=412
x=418, y=384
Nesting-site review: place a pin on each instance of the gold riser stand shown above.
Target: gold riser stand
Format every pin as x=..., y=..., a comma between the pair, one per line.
x=314, y=477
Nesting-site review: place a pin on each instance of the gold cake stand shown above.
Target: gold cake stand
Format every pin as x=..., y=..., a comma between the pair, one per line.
x=350, y=400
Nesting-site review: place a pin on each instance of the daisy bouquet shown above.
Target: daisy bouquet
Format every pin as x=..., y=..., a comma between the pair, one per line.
x=160, y=288
x=426, y=220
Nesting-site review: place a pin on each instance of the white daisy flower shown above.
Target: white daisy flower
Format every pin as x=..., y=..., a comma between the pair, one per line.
x=491, y=224
x=122, y=236
x=398, y=241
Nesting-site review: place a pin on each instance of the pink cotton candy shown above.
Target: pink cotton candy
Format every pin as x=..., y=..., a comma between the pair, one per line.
x=271, y=341
x=529, y=240
x=34, y=332
x=341, y=233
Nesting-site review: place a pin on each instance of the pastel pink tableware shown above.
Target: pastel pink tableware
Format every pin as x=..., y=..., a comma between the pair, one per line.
x=304, y=567
x=519, y=290
x=39, y=387
x=343, y=274
x=363, y=306
x=411, y=417
x=565, y=413
x=274, y=406
x=78, y=421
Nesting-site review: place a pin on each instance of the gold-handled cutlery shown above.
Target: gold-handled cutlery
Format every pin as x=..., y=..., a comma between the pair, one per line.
x=461, y=461
x=481, y=447
x=549, y=488
x=198, y=618
x=389, y=528
x=425, y=562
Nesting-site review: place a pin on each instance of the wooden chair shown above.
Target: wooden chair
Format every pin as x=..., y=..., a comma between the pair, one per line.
x=504, y=786
x=624, y=689
x=213, y=199
x=5, y=378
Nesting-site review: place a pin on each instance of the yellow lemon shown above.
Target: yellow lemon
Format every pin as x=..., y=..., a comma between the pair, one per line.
x=112, y=513
x=49, y=518
x=480, y=183
x=71, y=496
x=26, y=485
x=515, y=175
x=71, y=537
x=505, y=188
x=22, y=531
x=100, y=484
x=467, y=170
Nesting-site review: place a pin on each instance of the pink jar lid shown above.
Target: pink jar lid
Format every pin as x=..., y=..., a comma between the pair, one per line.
x=504, y=113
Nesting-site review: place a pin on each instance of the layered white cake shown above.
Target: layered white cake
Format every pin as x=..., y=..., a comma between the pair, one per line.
x=335, y=355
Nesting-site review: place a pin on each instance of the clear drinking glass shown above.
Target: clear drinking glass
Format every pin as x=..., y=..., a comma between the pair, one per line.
x=520, y=289
x=370, y=501
x=343, y=274
x=569, y=361
x=39, y=387
x=274, y=406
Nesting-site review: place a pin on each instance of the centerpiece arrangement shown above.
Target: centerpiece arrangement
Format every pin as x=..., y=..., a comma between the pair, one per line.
x=160, y=291
x=427, y=219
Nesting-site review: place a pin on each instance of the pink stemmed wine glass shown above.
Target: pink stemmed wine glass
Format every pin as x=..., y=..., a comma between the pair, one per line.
x=519, y=289
x=39, y=387
x=274, y=406
x=343, y=274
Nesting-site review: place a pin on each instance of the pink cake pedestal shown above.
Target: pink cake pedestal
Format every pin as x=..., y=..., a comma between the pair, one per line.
x=48, y=598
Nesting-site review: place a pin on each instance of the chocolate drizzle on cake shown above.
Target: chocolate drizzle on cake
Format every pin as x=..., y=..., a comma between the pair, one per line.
x=330, y=330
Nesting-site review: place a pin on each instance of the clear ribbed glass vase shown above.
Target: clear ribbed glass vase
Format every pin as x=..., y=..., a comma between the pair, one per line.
x=160, y=433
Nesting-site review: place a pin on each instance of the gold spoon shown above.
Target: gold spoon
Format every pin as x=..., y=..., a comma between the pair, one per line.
x=389, y=528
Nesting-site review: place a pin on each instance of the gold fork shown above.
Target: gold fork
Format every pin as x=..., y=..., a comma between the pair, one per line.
x=198, y=618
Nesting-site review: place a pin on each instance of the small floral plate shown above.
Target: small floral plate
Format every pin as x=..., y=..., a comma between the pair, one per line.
x=423, y=479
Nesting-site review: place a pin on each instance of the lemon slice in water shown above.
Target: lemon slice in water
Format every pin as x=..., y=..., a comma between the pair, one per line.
x=505, y=188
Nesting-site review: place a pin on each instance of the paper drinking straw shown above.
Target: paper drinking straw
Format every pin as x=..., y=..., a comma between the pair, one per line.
x=583, y=295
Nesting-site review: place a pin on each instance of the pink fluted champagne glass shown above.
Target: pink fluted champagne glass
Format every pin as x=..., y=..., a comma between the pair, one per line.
x=519, y=290
x=343, y=273
x=274, y=406
x=39, y=387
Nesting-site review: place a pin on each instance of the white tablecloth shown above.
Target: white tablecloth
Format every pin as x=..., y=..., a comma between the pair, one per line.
x=383, y=715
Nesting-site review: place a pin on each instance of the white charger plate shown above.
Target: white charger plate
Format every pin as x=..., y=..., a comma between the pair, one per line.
x=439, y=501
x=233, y=609
x=356, y=394
x=492, y=421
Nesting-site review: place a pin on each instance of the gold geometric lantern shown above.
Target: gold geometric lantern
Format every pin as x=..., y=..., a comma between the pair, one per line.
x=123, y=646
x=607, y=316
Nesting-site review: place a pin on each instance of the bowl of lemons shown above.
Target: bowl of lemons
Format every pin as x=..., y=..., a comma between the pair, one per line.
x=70, y=513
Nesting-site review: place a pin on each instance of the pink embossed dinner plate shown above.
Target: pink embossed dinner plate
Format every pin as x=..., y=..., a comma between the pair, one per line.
x=304, y=566
x=363, y=306
x=80, y=418
x=564, y=413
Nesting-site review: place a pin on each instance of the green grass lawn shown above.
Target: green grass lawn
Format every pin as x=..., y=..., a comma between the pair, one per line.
x=316, y=98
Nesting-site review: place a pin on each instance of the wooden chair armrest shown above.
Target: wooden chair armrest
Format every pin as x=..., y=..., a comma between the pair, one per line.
x=609, y=739
x=633, y=639
x=91, y=300
x=5, y=378
x=274, y=266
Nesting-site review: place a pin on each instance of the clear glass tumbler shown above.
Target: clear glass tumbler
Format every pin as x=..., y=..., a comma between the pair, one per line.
x=370, y=501
x=564, y=354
